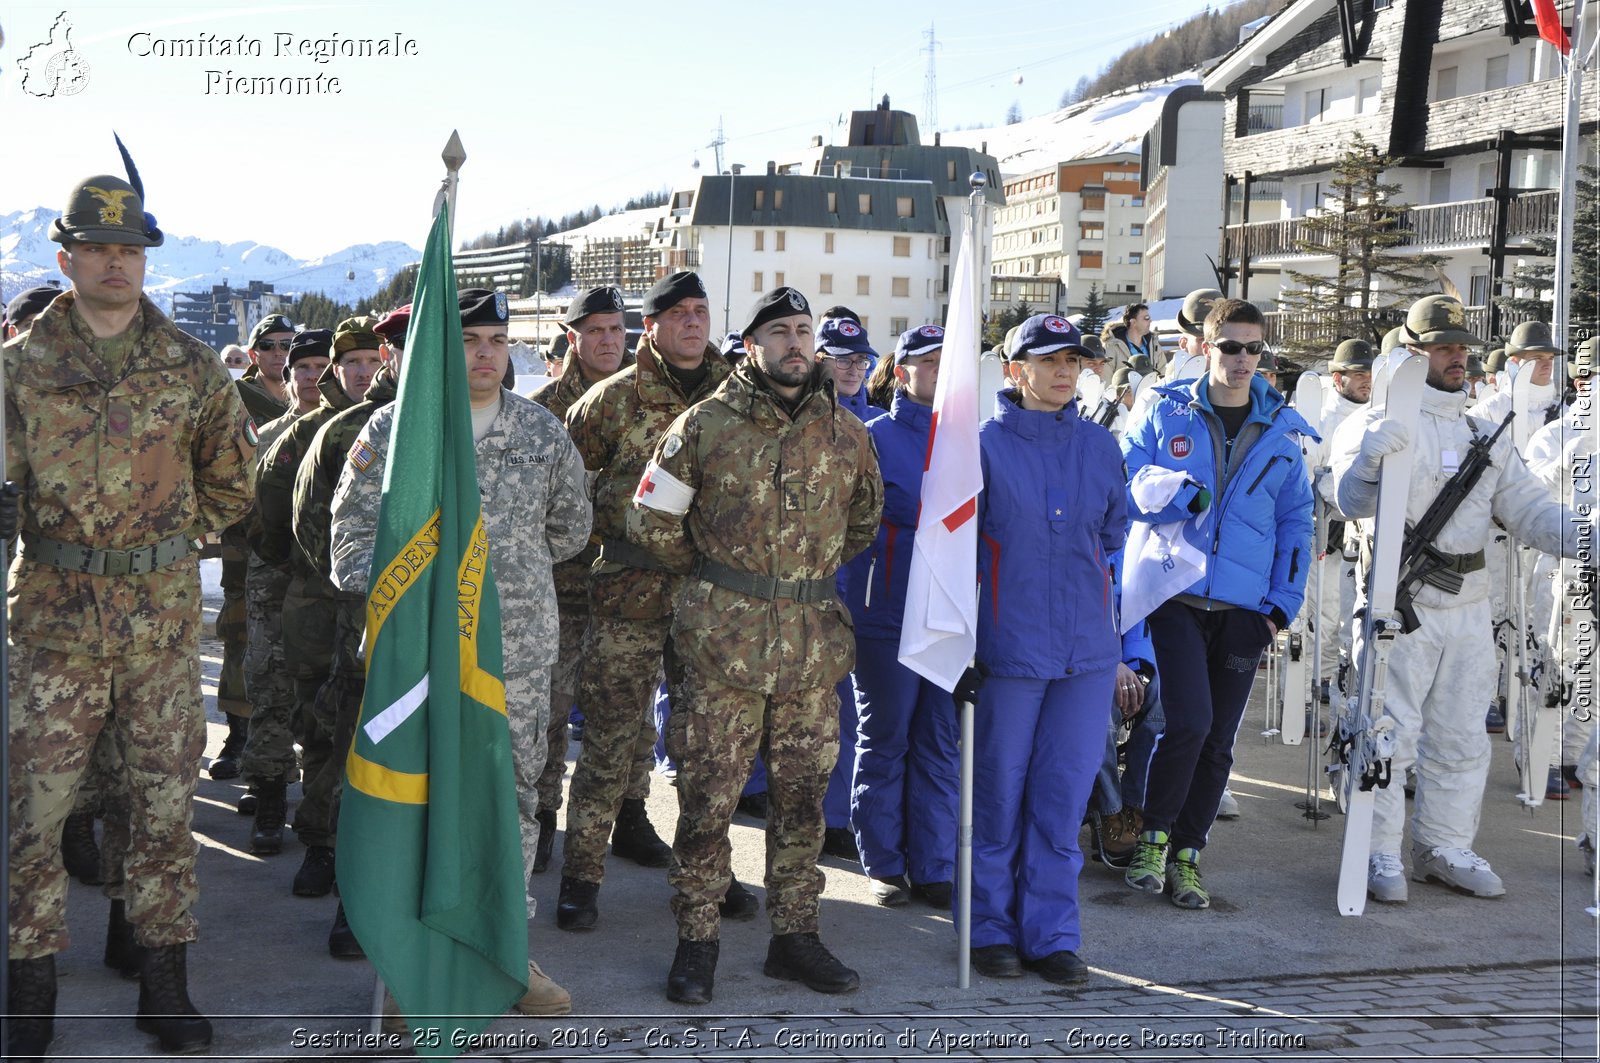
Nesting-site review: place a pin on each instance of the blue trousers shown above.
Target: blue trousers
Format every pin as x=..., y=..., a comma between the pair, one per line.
x=1141, y=744
x=1036, y=746
x=1208, y=663
x=906, y=793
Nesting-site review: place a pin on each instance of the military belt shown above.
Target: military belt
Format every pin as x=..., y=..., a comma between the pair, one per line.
x=95, y=562
x=1458, y=563
x=767, y=588
x=616, y=552
x=588, y=554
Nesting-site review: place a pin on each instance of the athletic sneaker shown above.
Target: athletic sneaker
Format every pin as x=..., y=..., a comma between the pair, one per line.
x=1183, y=876
x=1460, y=869
x=1228, y=807
x=1386, y=878
x=1146, y=871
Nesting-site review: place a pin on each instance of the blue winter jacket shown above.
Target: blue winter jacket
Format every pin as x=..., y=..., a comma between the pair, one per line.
x=858, y=404
x=1262, y=505
x=875, y=589
x=1051, y=517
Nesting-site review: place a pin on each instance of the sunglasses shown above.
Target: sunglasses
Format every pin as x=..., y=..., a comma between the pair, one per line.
x=273, y=345
x=1234, y=346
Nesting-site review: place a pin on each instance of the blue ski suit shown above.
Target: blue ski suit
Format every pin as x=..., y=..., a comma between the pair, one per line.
x=1052, y=516
x=905, y=791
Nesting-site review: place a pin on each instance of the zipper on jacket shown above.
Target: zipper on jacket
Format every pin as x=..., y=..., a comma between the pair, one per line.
x=1263, y=475
x=870, y=570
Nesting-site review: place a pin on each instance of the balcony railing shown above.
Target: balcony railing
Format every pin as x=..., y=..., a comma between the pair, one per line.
x=1263, y=118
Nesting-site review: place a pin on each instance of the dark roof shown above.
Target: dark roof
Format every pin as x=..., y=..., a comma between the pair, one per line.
x=805, y=203
x=920, y=162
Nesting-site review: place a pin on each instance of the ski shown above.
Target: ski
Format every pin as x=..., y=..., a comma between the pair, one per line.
x=1364, y=738
x=1299, y=690
x=1537, y=722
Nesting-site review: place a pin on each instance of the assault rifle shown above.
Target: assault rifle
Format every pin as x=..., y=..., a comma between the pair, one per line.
x=1419, y=561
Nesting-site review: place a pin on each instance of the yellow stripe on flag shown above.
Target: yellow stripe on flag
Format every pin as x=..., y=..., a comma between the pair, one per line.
x=399, y=576
x=386, y=784
x=477, y=684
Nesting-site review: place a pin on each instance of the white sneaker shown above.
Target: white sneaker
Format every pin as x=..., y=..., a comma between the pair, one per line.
x=1386, y=878
x=1228, y=807
x=1460, y=869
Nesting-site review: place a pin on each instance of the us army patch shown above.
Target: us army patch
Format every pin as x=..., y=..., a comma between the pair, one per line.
x=671, y=445
x=361, y=456
x=528, y=457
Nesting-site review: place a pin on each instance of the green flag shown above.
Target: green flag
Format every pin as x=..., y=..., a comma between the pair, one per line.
x=430, y=855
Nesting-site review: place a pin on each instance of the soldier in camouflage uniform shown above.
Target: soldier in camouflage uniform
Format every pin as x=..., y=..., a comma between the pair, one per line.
x=536, y=512
x=597, y=347
x=308, y=599
x=270, y=764
x=127, y=440
x=616, y=426
x=759, y=493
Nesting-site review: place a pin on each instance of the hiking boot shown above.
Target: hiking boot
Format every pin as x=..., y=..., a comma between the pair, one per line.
x=738, y=902
x=1494, y=721
x=272, y=809
x=633, y=838
x=840, y=842
x=342, y=943
x=575, y=904
x=753, y=805
x=694, y=969
x=1228, y=806
x=543, y=997
x=547, y=841
x=1555, y=786
x=315, y=877
x=31, y=1002
x=804, y=958
x=1183, y=880
x=1147, y=869
x=123, y=954
x=891, y=892
x=1117, y=835
x=79, y=852
x=249, y=800
x=1062, y=968
x=1460, y=869
x=934, y=894
x=164, y=1006
x=997, y=961
x=1386, y=878
x=226, y=764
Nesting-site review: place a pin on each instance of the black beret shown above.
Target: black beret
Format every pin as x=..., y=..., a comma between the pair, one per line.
x=671, y=290
x=309, y=343
x=30, y=304
x=270, y=323
x=480, y=306
x=605, y=299
x=780, y=302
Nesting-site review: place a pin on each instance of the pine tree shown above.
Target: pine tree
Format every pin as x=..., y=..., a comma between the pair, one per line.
x=1094, y=313
x=1371, y=284
x=1527, y=294
x=1004, y=321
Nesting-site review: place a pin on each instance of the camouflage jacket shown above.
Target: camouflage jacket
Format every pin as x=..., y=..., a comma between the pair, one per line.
x=163, y=451
x=318, y=474
x=535, y=510
x=271, y=527
x=616, y=425
x=261, y=404
x=740, y=482
x=558, y=396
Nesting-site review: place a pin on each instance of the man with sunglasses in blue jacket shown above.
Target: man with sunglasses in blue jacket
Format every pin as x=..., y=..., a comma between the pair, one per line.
x=1243, y=498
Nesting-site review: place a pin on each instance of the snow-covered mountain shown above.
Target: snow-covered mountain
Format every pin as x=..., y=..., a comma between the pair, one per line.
x=191, y=264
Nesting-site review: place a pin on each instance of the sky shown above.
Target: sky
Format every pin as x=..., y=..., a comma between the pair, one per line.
x=560, y=106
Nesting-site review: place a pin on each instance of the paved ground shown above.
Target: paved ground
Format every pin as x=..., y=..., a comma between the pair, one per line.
x=1270, y=970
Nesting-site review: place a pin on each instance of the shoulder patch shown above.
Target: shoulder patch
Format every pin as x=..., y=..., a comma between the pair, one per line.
x=361, y=456
x=251, y=436
x=671, y=445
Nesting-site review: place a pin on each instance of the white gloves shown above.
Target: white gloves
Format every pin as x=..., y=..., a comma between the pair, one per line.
x=1381, y=438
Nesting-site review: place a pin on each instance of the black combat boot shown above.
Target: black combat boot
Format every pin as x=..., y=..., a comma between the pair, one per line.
x=226, y=764
x=575, y=904
x=315, y=877
x=342, y=943
x=164, y=1006
x=547, y=841
x=32, y=1004
x=694, y=969
x=633, y=838
x=79, y=851
x=804, y=958
x=249, y=799
x=272, y=809
x=123, y=954
x=738, y=902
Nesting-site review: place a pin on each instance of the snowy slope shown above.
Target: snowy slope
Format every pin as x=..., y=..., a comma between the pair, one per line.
x=191, y=264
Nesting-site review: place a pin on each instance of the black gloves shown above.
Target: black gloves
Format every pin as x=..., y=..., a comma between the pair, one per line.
x=970, y=685
x=10, y=510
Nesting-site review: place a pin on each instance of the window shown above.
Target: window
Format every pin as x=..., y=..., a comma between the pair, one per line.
x=777, y=279
x=761, y=239
x=833, y=202
x=761, y=198
x=1439, y=186
x=1094, y=201
x=1487, y=175
x=1091, y=232
x=827, y=243
x=864, y=203
x=898, y=325
x=778, y=240
x=825, y=284
x=1381, y=5
x=777, y=201
x=1478, y=289
x=863, y=285
x=1495, y=71
x=900, y=288
x=1135, y=258
x=903, y=207
x=758, y=282
x=902, y=247
x=1444, y=83
x=1136, y=229
x=1135, y=201
x=1091, y=259
x=1316, y=103
x=1367, y=95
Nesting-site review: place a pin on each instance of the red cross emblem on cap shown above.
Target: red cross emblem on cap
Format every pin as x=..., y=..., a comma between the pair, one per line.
x=931, y=331
x=1056, y=324
x=849, y=328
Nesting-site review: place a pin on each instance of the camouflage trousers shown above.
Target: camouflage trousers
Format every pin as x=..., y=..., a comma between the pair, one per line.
x=233, y=626
x=616, y=687
x=563, y=695
x=308, y=648
x=337, y=709
x=528, y=711
x=269, y=755
x=60, y=704
x=714, y=734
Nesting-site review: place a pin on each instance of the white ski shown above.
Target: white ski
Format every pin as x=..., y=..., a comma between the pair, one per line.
x=1536, y=723
x=1299, y=690
x=1365, y=735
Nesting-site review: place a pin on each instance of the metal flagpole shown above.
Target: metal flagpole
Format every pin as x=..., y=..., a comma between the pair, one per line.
x=1571, y=149
x=5, y=753
x=973, y=226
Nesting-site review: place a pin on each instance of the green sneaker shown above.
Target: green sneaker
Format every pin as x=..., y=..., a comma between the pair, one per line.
x=1149, y=857
x=1184, y=871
